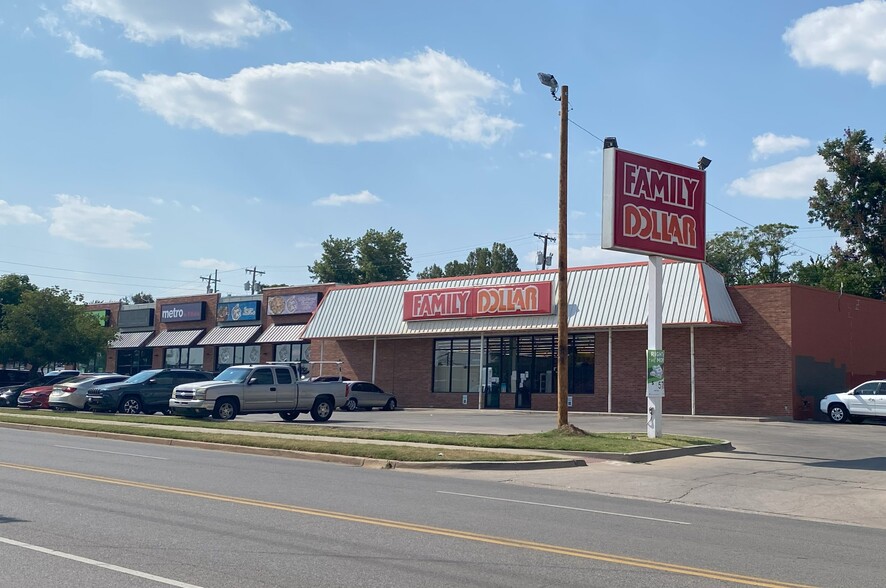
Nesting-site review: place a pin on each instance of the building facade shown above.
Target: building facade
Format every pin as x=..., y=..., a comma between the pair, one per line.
x=490, y=342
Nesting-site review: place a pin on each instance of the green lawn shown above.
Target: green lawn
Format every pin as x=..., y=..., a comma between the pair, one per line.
x=294, y=432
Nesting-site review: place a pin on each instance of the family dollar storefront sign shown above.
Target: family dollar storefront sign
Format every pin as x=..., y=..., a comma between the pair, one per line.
x=652, y=206
x=477, y=301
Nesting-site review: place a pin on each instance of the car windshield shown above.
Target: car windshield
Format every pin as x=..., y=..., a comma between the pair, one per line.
x=142, y=376
x=233, y=374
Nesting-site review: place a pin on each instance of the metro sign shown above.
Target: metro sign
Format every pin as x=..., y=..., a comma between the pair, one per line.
x=652, y=206
x=478, y=301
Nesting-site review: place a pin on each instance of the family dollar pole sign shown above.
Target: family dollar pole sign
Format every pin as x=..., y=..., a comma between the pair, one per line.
x=652, y=206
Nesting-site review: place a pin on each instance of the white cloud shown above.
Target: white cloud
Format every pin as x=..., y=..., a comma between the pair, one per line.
x=363, y=197
x=102, y=226
x=197, y=23
x=847, y=38
x=700, y=142
x=577, y=213
x=157, y=201
x=18, y=214
x=338, y=102
x=771, y=144
x=306, y=245
x=535, y=154
x=195, y=208
x=209, y=263
x=516, y=86
x=50, y=22
x=791, y=179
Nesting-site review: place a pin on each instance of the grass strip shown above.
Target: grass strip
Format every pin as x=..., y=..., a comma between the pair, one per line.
x=555, y=440
x=384, y=452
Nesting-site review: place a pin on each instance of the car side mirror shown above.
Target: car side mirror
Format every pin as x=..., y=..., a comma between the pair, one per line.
x=251, y=381
x=152, y=381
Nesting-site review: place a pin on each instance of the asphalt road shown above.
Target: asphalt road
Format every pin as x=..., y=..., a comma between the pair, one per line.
x=93, y=512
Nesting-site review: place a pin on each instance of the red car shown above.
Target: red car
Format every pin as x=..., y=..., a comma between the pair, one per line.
x=36, y=397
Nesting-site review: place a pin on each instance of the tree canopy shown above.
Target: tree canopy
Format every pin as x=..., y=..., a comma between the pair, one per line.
x=752, y=256
x=48, y=326
x=482, y=260
x=138, y=298
x=854, y=205
x=375, y=257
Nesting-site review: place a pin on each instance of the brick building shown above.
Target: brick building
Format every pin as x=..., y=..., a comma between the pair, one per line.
x=770, y=350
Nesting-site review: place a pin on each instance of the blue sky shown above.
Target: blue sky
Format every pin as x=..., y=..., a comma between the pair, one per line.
x=146, y=144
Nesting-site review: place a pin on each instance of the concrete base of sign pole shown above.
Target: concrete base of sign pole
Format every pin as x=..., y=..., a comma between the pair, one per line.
x=653, y=421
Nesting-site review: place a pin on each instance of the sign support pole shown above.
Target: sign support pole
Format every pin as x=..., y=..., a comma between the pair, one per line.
x=654, y=352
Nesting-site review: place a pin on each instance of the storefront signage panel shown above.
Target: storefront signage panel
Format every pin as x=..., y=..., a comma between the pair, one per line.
x=142, y=317
x=652, y=206
x=477, y=301
x=180, y=313
x=293, y=303
x=238, y=311
x=102, y=316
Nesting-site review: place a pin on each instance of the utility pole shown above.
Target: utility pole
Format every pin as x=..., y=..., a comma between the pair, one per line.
x=211, y=283
x=251, y=286
x=544, y=255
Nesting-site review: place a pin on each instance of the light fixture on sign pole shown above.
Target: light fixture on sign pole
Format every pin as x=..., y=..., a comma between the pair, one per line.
x=562, y=304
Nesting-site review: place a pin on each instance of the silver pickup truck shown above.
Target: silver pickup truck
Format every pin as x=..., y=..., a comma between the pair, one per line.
x=259, y=388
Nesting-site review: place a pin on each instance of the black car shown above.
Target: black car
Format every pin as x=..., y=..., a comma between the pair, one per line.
x=9, y=395
x=148, y=391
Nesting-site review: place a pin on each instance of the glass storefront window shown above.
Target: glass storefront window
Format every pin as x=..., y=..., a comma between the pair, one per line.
x=184, y=357
x=526, y=364
x=233, y=355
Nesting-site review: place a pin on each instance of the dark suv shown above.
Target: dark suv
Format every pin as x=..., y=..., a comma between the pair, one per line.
x=148, y=391
x=13, y=377
x=9, y=394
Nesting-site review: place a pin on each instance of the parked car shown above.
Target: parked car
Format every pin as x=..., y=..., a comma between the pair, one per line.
x=13, y=377
x=863, y=401
x=148, y=391
x=367, y=395
x=71, y=394
x=38, y=396
x=9, y=395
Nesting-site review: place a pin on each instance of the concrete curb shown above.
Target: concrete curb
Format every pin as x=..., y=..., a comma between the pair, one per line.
x=656, y=454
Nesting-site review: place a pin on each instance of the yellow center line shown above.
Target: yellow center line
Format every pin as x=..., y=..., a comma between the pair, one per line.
x=453, y=533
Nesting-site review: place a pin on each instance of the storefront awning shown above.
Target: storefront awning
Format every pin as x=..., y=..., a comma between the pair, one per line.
x=175, y=338
x=283, y=334
x=126, y=340
x=229, y=335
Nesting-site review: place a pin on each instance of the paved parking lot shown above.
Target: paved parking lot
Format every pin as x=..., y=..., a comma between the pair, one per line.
x=812, y=470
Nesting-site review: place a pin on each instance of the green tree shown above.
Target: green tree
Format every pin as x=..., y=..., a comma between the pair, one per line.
x=381, y=257
x=752, y=256
x=375, y=257
x=49, y=326
x=482, y=260
x=840, y=271
x=12, y=286
x=854, y=204
x=336, y=263
x=138, y=298
x=433, y=271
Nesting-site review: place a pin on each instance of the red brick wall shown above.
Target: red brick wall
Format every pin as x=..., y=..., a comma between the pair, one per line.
x=207, y=323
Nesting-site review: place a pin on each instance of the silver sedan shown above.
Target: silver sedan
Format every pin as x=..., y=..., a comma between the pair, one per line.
x=367, y=395
x=71, y=394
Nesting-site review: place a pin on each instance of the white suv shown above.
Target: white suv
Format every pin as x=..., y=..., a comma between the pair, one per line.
x=865, y=400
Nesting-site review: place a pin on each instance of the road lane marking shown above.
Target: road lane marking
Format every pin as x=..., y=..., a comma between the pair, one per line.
x=604, y=512
x=111, y=452
x=99, y=564
x=418, y=528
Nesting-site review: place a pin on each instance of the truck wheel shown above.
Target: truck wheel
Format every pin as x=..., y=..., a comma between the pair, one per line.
x=130, y=405
x=289, y=415
x=322, y=410
x=225, y=409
